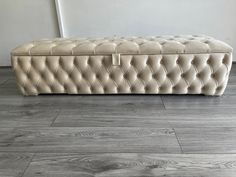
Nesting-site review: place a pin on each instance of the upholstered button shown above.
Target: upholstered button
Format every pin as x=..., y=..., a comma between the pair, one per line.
x=225, y=60
x=60, y=61
x=118, y=89
x=147, y=88
x=47, y=62
x=42, y=75
x=132, y=62
x=70, y=75
x=168, y=75
x=105, y=89
x=76, y=62
x=203, y=87
x=97, y=76
x=219, y=88
x=148, y=62
x=175, y=87
x=92, y=89
x=193, y=62
x=199, y=75
x=89, y=62
x=126, y=75
x=111, y=75
x=139, y=75
x=132, y=88
x=213, y=75
x=155, y=76
x=209, y=61
x=104, y=62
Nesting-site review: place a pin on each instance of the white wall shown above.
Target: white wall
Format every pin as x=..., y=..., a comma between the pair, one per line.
x=150, y=17
x=25, y=20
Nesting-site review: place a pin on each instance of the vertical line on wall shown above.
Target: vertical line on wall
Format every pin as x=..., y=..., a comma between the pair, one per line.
x=59, y=17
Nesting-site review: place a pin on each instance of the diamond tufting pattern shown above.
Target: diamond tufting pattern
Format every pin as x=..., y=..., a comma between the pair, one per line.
x=157, y=65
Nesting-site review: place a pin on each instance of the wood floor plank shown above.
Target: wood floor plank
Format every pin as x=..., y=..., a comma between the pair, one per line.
x=87, y=140
x=9, y=88
x=199, y=102
x=14, y=164
x=146, y=118
x=233, y=70
x=6, y=73
x=207, y=140
x=194, y=118
x=10, y=83
x=232, y=80
x=104, y=117
x=19, y=102
x=27, y=118
x=8, y=91
x=78, y=102
x=132, y=165
x=231, y=90
x=2, y=81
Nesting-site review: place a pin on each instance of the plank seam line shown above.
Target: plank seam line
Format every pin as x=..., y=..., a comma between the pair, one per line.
x=27, y=166
x=178, y=141
x=2, y=84
x=54, y=119
x=163, y=102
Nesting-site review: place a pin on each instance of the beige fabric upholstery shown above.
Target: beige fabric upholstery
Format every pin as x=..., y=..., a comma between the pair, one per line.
x=152, y=65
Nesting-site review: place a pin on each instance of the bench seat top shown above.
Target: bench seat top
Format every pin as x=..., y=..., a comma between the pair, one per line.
x=183, y=44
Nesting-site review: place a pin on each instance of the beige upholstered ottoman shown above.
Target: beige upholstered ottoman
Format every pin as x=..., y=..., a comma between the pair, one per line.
x=136, y=65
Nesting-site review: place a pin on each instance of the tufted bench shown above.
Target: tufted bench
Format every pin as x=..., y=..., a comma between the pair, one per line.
x=135, y=65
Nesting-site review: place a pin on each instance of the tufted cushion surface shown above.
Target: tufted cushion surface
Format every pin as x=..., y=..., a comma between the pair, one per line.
x=129, y=45
x=154, y=65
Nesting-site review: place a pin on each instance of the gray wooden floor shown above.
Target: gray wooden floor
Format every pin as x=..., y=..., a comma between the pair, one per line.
x=116, y=136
